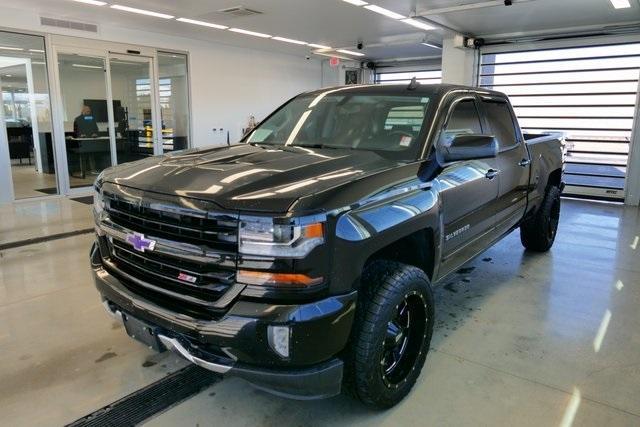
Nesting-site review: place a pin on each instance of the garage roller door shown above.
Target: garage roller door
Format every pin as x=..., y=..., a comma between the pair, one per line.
x=423, y=76
x=588, y=93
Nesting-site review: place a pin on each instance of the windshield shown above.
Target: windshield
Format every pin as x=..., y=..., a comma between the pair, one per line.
x=389, y=124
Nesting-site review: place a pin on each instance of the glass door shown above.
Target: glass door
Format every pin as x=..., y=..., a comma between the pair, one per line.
x=27, y=163
x=134, y=107
x=109, y=110
x=87, y=116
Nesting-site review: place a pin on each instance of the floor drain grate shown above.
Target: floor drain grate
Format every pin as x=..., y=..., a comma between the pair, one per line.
x=149, y=401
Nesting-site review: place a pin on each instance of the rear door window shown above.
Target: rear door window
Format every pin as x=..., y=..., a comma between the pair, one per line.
x=501, y=122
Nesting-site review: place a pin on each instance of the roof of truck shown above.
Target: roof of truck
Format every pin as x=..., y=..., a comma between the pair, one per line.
x=403, y=88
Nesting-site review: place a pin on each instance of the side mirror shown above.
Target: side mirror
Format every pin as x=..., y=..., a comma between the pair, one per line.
x=469, y=147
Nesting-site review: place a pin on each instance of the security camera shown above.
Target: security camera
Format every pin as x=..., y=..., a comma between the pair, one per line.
x=478, y=42
x=359, y=45
x=508, y=2
x=307, y=57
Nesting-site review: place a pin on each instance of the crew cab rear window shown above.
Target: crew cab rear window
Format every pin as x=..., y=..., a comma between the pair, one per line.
x=464, y=119
x=501, y=123
x=388, y=124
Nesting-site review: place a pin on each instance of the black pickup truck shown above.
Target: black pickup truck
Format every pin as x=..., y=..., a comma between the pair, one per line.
x=302, y=258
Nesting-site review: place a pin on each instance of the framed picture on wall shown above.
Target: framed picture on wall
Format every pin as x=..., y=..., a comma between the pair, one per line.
x=351, y=77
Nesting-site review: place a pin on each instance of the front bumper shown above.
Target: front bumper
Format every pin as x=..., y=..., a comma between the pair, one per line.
x=237, y=343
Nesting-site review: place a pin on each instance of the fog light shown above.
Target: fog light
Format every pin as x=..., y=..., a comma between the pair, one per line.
x=279, y=337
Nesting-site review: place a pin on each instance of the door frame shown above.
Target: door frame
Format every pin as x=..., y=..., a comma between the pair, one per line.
x=105, y=51
x=64, y=185
x=154, y=101
x=7, y=191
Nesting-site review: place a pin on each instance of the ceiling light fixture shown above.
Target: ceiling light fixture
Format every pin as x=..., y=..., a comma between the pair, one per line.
x=141, y=11
x=250, y=33
x=356, y=2
x=92, y=2
x=202, y=23
x=320, y=46
x=418, y=24
x=10, y=48
x=620, y=4
x=286, y=40
x=86, y=66
x=433, y=45
x=350, y=52
x=36, y=50
x=386, y=12
x=333, y=55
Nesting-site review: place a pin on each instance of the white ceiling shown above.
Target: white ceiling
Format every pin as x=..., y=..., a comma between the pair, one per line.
x=339, y=24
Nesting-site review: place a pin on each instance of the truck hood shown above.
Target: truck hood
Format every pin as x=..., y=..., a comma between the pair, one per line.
x=248, y=177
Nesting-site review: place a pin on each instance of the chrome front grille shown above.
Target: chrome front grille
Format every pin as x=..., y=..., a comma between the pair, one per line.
x=191, y=268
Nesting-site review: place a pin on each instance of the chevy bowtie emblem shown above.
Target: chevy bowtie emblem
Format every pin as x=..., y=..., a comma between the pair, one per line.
x=140, y=243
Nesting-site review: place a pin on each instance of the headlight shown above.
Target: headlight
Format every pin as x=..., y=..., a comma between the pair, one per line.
x=294, y=239
x=98, y=200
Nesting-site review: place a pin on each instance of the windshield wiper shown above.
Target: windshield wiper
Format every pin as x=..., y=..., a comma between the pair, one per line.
x=333, y=147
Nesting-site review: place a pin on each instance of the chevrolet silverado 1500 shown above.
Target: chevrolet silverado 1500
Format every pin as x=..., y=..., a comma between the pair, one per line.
x=302, y=258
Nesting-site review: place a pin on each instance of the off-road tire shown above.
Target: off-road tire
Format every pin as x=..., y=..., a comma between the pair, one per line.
x=386, y=286
x=539, y=232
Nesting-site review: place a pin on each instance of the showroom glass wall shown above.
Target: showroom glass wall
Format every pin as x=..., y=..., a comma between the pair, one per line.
x=108, y=106
x=27, y=163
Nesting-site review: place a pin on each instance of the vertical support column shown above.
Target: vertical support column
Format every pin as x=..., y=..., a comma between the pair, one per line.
x=632, y=191
x=6, y=180
x=459, y=65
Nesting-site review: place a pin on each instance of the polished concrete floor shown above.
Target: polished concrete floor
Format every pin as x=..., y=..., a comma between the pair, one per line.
x=521, y=339
x=27, y=182
x=31, y=219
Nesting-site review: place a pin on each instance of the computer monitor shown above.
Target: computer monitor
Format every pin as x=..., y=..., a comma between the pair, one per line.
x=99, y=108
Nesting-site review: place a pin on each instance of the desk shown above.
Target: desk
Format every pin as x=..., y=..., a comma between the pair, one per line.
x=83, y=146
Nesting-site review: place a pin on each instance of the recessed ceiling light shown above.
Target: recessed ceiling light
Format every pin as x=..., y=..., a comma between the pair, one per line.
x=433, y=45
x=250, y=33
x=383, y=11
x=320, y=46
x=283, y=39
x=356, y=2
x=203, y=23
x=350, y=52
x=11, y=48
x=8, y=75
x=141, y=11
x=620, y=4
x=418, y=24
x=92, y=2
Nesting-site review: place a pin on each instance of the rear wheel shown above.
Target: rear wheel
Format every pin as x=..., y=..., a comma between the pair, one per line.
x=539, y=232
x=392, y=333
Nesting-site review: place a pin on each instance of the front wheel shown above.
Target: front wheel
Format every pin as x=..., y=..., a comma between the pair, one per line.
x=391, y=338
x=539, y=232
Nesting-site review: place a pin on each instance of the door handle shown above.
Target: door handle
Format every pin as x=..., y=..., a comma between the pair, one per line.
x=492, y=173
x=524, y=162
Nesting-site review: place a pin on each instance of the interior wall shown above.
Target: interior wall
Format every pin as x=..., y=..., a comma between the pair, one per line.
x=227, y=83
